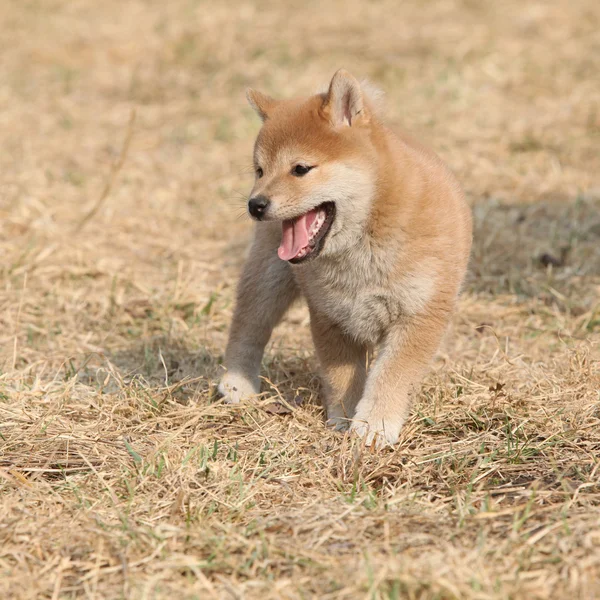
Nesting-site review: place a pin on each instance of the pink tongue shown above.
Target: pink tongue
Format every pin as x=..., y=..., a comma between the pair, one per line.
x=295, y=235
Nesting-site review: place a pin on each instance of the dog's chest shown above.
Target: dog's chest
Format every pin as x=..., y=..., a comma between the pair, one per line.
x=356, y=297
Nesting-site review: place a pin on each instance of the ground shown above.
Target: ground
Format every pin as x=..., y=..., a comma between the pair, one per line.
x=126, y=159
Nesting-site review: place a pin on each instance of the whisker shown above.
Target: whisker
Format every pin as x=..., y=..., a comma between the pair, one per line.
x=238, y=198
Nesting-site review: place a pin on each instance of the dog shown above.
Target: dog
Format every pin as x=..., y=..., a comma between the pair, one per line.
x=373, y=230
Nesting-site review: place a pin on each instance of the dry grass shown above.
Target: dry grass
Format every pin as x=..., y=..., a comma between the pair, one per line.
x=122, y=477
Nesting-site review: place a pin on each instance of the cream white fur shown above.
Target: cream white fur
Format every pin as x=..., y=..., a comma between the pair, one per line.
x=235, y=387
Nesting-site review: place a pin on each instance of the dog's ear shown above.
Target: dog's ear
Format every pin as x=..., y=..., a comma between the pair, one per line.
x=261, y=103
x=343, y=104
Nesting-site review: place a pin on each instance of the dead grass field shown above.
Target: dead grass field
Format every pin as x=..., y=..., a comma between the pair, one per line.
x=121, y=476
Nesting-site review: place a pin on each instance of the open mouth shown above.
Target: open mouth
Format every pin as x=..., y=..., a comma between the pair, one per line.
x=303, y=237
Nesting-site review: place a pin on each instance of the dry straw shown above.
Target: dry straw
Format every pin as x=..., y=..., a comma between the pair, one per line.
x=122, y=476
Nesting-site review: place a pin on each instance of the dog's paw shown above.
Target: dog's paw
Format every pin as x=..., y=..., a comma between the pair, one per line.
x=376, y=431
x=235, y=387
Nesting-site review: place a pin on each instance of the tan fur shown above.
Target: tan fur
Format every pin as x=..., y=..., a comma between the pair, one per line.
x=387, y=278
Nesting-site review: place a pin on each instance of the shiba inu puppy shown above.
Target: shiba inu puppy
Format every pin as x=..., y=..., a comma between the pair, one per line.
x=373, y=230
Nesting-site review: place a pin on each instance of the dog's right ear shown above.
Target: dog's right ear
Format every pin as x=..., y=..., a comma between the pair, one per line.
x=343, y=104
x=261, y=103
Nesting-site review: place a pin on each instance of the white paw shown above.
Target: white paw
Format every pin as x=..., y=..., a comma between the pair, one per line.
x=377, y=431
x=235, y=387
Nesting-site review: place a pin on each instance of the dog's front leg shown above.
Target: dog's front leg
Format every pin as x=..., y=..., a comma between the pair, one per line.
x=265, y=291
x=343, y=367
x=401, y=361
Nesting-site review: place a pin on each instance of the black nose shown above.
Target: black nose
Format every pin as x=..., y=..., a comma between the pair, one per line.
x=257, y=206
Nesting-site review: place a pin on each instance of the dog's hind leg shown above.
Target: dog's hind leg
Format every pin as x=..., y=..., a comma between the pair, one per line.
x=343, y=368
x=265, y=291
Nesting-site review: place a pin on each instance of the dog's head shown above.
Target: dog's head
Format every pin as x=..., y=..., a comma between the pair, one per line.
x=315, y=164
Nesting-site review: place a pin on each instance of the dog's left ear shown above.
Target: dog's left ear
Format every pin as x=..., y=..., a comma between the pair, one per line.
x=261, y=103
x=344, y=104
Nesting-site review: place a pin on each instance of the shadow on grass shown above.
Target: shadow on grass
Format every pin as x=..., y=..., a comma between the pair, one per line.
x=529, y=249
x=163, y=363
x=160, y=362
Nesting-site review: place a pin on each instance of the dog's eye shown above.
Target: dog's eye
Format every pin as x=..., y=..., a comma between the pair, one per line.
x=300, y=170
x=259, y=172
